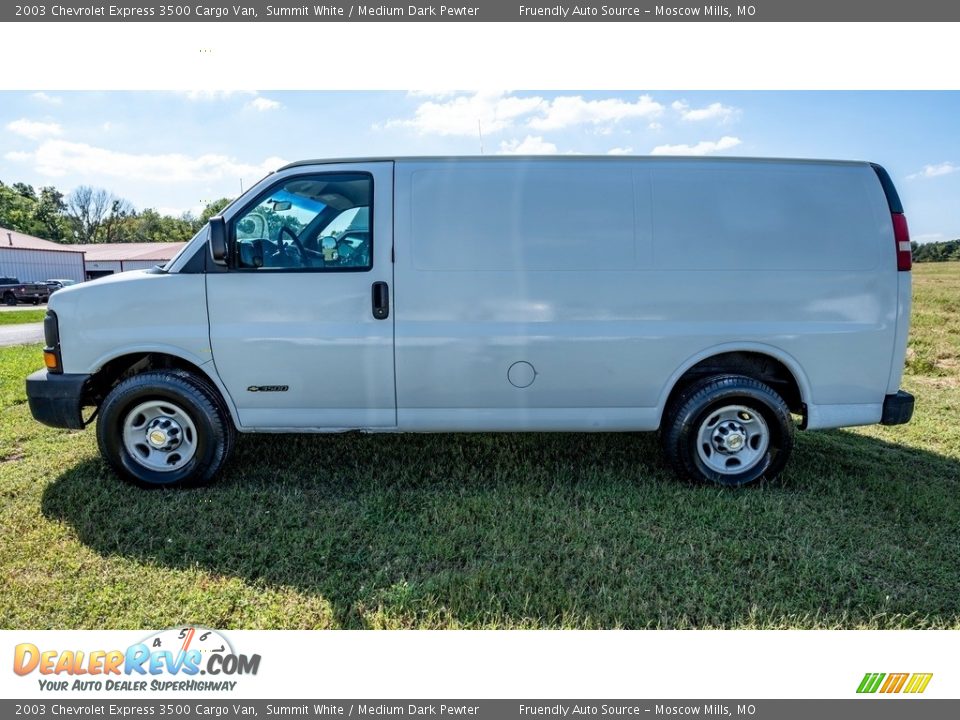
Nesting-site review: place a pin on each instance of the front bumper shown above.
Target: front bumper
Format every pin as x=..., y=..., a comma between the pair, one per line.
x=897, y=409
x=56, y=399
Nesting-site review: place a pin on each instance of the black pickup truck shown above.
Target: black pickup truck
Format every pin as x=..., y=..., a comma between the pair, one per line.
x=12, y=291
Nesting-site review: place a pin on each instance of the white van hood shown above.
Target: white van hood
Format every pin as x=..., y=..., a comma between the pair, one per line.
x=132, y=312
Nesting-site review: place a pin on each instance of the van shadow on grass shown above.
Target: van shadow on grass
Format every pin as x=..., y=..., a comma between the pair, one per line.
x=547, y=530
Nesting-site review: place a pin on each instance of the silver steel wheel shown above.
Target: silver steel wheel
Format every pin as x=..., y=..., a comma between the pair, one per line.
x=732, y=439
x=159, y=435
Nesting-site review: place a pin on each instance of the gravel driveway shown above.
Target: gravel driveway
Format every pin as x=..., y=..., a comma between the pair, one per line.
x=21, y=334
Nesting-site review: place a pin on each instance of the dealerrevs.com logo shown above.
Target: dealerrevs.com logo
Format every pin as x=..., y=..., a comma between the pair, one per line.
x=180, y=659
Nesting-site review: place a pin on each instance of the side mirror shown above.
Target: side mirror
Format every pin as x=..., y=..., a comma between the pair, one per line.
x=218, y=240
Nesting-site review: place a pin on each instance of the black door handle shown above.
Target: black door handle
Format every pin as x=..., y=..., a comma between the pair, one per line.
x=380, y=296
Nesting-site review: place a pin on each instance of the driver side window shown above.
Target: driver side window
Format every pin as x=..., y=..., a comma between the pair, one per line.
x=317, y=222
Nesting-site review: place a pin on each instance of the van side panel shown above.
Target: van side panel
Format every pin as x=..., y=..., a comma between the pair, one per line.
x=525, y=265
x=551, y=218
x=550, y=294
x=774, y=217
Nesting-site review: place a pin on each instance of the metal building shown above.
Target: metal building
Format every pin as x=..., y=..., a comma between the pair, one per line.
x=31, y=259
x=108, y=258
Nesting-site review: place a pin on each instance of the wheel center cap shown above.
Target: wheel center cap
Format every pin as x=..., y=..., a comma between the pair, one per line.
x=164, y=434
x=734, y=442
x=730, y=438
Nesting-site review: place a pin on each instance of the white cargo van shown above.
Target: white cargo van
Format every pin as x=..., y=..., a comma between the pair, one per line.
x=709, y=299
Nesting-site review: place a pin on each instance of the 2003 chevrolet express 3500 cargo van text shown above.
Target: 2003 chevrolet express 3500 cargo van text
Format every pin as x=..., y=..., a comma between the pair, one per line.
x=709, y=299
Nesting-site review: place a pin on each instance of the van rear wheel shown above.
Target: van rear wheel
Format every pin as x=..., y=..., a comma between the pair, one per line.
x=166, y=428
x=729, y=430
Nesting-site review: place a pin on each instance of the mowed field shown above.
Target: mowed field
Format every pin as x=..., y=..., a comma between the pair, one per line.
x=21, y=317
x=507, y=531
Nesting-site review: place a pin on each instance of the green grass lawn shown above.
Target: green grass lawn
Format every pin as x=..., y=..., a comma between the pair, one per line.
x=536, y=531
x=17, y=317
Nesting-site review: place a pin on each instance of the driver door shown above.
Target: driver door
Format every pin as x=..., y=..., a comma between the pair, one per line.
x=301, y=327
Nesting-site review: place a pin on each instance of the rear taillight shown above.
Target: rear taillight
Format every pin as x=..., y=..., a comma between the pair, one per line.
x=901, y=236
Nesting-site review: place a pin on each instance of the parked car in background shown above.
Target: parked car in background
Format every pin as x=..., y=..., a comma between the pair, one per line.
x=13, y=291
x=55, y=284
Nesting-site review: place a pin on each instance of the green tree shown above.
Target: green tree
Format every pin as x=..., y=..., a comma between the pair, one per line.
x=25, y=190
x=49, y=215
x=113, y=220
x=86, y=209
x=91, y=215
x=212, y=209
x=17, y=211
x=936, y=251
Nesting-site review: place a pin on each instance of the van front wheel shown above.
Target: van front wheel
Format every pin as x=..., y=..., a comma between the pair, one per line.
x=729, y=430
x=166, y=428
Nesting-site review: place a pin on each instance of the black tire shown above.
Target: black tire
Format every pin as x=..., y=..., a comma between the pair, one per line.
x=699, y=403
x=9, y=299
x=197, y=398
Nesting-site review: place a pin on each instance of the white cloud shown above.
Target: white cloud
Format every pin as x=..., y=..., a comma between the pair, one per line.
x=932, y=171
x=257, y=101
x=620, y=151
x=435, y=94
x=568, y=110
x=490, y=112
x=704, y=147
x=49, y=99
x=928, y=237
x=263, y=104
x=208, y=95
x=530, y=145
x=34, y=129
x=460, y=114
x=713, y=111
x=56, y=158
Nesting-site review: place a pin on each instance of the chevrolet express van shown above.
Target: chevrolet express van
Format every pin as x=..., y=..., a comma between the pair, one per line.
x=720, y=301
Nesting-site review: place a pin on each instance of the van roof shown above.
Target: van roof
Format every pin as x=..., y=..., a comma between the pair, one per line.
x=569, y=158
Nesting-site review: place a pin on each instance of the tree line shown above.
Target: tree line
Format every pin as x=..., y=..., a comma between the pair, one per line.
x=936, y=251
x=92, y=215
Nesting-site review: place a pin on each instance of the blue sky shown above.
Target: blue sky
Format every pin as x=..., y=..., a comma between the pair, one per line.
x=176, y=151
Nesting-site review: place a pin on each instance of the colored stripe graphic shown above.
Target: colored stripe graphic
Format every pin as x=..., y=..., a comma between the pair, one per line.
x=918, y=682
x=870, y=683
x=894, y=683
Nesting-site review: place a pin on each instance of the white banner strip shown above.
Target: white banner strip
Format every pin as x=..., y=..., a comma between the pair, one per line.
x=492, y=664
x=658, y=56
